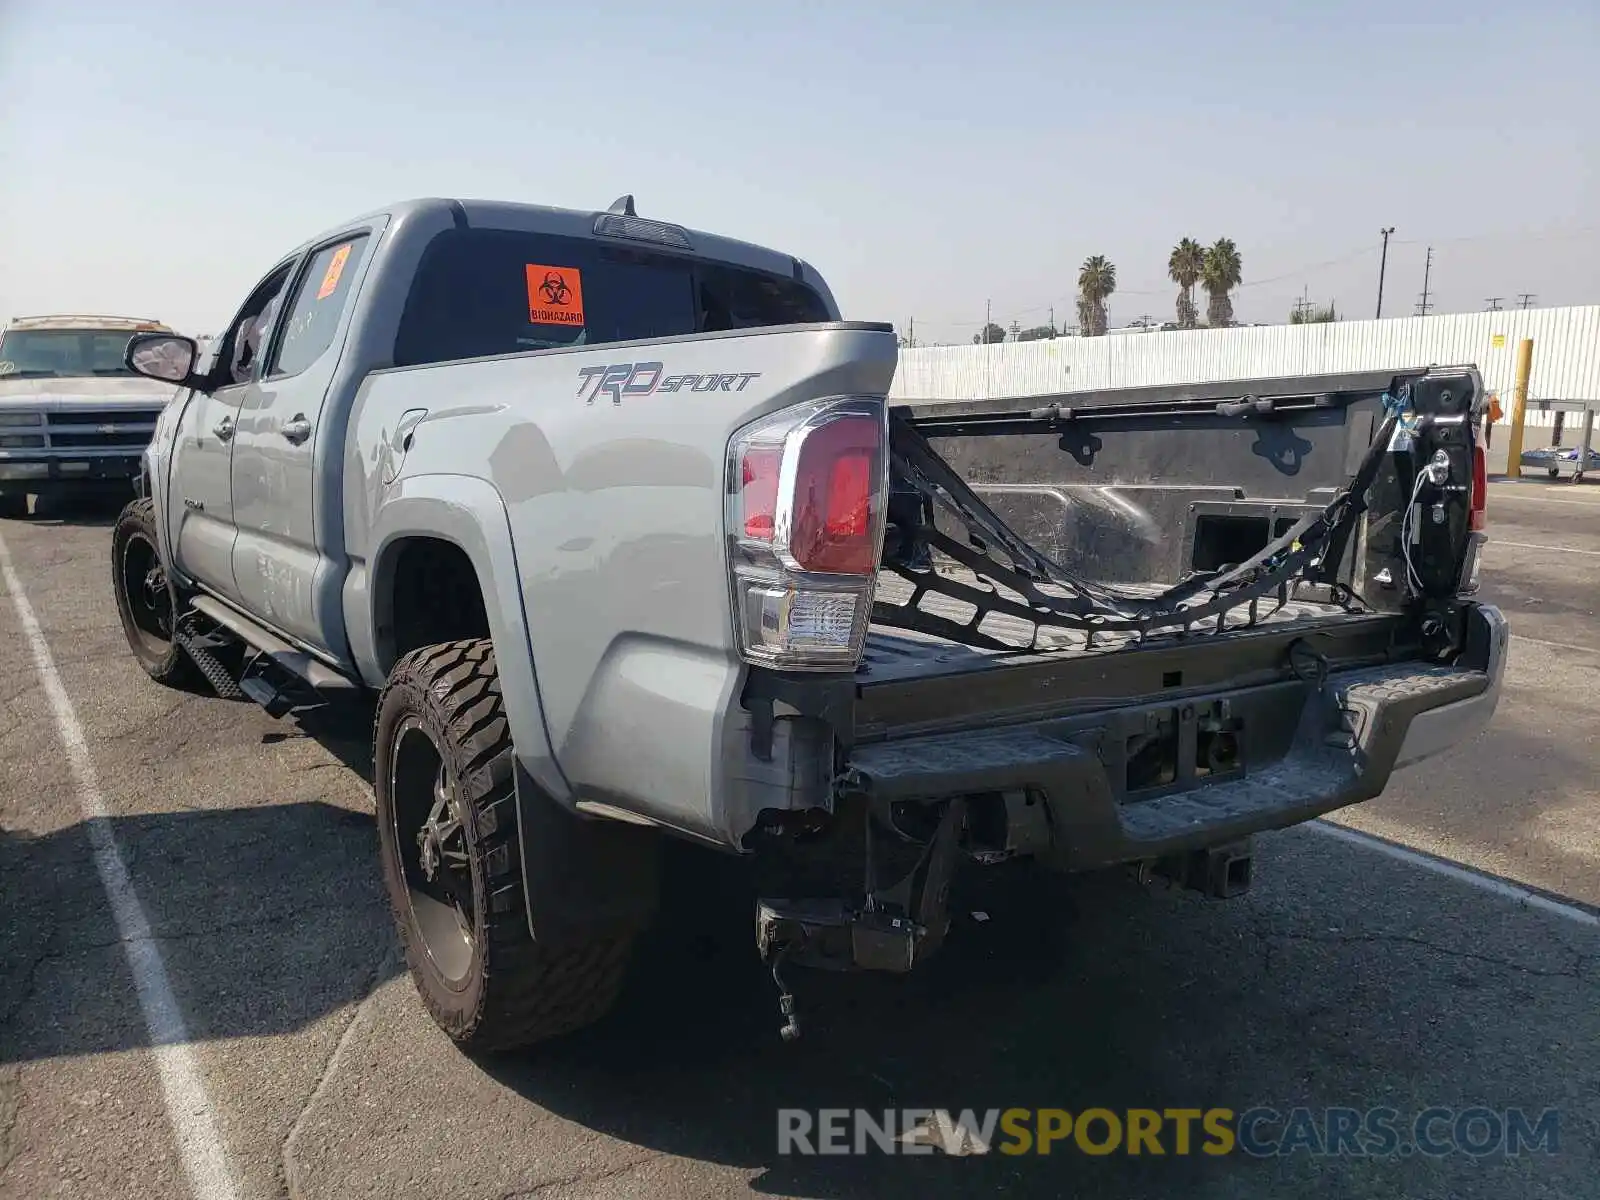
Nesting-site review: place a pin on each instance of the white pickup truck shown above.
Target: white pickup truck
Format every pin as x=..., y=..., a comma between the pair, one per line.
x=73, y=417
x=615, y=522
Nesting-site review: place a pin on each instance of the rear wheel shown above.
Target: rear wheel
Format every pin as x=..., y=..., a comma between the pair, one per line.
x=447, y=831
x=146, y=601
x=13, y=507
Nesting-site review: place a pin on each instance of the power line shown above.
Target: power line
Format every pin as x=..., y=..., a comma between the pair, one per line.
x=1332, y=262
x=1510, y=235
x=1527, y=299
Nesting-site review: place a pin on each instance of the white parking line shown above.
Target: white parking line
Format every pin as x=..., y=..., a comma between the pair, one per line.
x=1487, y=883
x=1552, y=549
x=1512, y=494
x=1520, y=637
x=189, y=1110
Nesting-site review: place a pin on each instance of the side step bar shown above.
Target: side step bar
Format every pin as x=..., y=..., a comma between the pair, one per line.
x=278, y=653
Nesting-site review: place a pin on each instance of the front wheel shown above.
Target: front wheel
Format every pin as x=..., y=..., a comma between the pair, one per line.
x=145, y=600
x=13, y=507
x=447, y=834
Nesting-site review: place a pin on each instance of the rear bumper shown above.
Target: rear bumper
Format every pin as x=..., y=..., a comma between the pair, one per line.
x=1438, y=729
x=1298, y=750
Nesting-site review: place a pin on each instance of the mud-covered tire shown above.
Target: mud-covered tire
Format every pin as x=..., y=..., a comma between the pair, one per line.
x=146, y=602
x=506, y=990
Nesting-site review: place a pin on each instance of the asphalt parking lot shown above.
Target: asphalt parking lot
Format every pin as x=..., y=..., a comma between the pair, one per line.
x=1349, y=976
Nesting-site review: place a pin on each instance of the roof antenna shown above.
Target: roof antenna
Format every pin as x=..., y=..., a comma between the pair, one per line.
x=623, y=206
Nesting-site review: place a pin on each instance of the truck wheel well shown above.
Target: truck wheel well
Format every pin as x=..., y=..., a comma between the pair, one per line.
x=435, y=597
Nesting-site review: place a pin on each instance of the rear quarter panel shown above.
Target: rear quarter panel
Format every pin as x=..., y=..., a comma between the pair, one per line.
x=613, y=496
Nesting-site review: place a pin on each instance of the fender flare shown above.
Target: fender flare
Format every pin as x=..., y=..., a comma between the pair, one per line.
x=470, y=514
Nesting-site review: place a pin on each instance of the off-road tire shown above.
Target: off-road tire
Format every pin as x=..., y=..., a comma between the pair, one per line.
x=516, y=991
x=163, y=660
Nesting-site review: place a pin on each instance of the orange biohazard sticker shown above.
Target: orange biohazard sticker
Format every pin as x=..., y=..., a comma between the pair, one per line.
x=330, y=277
x=555, y=295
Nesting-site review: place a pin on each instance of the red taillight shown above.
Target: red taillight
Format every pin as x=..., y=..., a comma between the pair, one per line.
x=834, y=495
x=805, y=511
x=850, y=496
x=759, y=492
x=1478, y=518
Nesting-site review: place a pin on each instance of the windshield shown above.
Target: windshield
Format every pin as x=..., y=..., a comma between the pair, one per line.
x=62, y=353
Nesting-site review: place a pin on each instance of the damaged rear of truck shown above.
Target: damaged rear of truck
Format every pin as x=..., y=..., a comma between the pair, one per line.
x=617, y=523
x=1134, y=627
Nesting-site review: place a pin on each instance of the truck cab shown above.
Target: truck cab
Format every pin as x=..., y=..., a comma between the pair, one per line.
x=73, y=416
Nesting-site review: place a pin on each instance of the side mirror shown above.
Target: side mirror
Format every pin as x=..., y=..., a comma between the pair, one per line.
x=162, y=356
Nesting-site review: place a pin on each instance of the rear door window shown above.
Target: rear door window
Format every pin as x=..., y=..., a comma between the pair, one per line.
x=481, y=292
x=313, y=317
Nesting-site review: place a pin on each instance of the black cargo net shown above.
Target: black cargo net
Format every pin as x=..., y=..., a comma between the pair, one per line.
x=1012, y=580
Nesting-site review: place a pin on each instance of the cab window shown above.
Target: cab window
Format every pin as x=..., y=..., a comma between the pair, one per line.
x=482, y=292
x=312, y=317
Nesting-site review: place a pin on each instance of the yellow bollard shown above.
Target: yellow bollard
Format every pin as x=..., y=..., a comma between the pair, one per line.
x=1519, y=409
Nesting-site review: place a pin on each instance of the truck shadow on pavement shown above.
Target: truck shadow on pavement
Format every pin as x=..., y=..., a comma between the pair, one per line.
x=268, y=918
x=1348, y=980
x=93, y=510
x=1343, y=979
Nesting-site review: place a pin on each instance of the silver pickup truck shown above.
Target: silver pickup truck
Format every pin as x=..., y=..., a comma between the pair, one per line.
x=73, y=417
x=614, y=520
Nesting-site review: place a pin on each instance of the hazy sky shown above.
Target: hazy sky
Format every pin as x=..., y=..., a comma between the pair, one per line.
x=156, y=158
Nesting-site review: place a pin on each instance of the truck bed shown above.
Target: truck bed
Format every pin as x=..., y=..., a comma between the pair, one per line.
x=899, y=654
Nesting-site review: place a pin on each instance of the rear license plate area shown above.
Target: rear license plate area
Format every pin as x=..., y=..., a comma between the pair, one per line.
x=1169, y=748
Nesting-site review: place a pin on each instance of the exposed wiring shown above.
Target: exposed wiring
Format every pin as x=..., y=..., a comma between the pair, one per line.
x=791, y=1027
x=1407, y=528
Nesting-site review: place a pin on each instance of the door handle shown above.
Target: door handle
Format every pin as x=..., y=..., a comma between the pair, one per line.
x=297, y=430
x=223, y=429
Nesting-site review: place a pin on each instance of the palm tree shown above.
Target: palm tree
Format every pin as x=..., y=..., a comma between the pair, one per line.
x=1184, y=265
x=1219, y=275
x=1097, y=279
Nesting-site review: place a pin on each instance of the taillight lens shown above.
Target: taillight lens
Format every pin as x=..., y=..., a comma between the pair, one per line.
x=806, y=509
x=1478, y=514
x=835, y=489
x=758, y=493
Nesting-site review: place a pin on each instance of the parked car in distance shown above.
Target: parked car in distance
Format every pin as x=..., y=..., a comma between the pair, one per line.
x=73, y=417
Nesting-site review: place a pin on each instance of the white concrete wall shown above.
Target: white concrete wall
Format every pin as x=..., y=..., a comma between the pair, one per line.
x=1566, y=356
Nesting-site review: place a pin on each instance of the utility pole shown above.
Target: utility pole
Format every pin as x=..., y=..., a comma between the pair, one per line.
x=1383, y=264
x=1052, y=320
x=1427, y=273
x=1526, y=299
x=988, y=359
x=911, y=334
x=1494, y=303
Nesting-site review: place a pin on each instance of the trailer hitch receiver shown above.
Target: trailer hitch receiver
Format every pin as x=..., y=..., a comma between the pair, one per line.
x=1221, y=872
